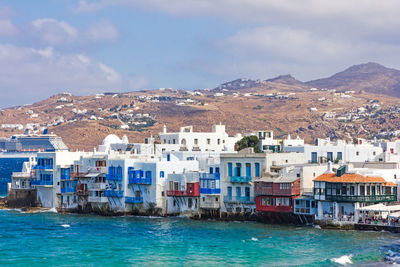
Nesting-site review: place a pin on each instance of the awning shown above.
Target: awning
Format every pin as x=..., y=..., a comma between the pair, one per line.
x=92, y=175
x=380, y=208
x=394, y=215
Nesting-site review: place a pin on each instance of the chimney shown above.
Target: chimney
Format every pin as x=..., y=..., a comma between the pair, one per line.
x=329, y=170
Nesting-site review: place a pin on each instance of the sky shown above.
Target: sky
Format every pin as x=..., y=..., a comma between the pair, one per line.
x=87, y=47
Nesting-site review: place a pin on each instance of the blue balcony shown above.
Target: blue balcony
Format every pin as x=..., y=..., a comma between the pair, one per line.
x=140, y=180
x=239, y=200
x=134, y=200
x=67, y=190
x=240, y=179
x=114, y=177
x=112, y=193
x=41, y=182
x=210, y=176
x=210, y=191
x=43, y=167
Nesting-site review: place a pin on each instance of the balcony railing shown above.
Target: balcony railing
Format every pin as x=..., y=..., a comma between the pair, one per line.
x=77, y=174
x=209, y=176
x=43, y=167
x=101, y=170
x=238, y=200
x=134, y=200
x=373, y=198
x=96, y=186
x=114, y=177
x=240, y=179
x=41, y=182
x=112, y=193
x=67, y=190
x=97, y=199
x=136, y=180
x=210, y=191
x=181, y=193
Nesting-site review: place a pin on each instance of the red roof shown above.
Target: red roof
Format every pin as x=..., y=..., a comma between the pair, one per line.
x=351, y=178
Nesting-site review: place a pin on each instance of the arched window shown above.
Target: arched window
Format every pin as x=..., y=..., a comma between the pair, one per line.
x=183, y=142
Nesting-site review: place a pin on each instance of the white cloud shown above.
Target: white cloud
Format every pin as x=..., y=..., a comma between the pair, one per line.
x=29, y=74
x=55, y=33
x=103, y=31
x=7, y=28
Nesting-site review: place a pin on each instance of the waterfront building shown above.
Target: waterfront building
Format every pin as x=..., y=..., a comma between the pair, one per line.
x=238, y=172
x=276, y=194
x=183, y=193
x=340, y=194
x=210, y=189
x=50, y=169
x=215, y=141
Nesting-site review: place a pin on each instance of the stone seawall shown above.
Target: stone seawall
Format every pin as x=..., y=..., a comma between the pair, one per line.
x=21, y=198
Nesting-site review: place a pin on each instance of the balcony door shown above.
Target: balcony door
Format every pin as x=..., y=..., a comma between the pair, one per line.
x=238, y=192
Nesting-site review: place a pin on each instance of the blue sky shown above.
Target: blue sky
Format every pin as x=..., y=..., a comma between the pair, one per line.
x=86, y=47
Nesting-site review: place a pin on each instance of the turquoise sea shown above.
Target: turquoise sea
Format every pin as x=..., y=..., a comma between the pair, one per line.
x=49, y=239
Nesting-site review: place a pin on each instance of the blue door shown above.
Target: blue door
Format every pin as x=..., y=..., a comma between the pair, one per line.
x=229, y=193
x=247, y=193
x=248, y=169
x=314, y=157
x=238, y=192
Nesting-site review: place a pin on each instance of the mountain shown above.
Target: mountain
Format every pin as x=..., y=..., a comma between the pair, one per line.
x=285, y=79
x=238, y=84
x=369, y=77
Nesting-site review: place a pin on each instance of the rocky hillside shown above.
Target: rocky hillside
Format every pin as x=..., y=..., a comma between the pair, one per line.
x=369, y=77
x=282, y=104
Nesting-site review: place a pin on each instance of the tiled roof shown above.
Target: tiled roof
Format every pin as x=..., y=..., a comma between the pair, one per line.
x=351, y=178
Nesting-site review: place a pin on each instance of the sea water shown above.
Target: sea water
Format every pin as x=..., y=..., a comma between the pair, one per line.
x=85, y=240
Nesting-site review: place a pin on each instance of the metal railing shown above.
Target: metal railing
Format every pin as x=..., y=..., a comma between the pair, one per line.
x=134, y=200
x=112, y=193
x=136, y=180
x=235, y=199
x=240, y=179
x=210, y=191
x=372, y=198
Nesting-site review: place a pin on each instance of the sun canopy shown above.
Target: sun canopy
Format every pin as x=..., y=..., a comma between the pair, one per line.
x=92, y=175
x=380, y=208
x=394, y=215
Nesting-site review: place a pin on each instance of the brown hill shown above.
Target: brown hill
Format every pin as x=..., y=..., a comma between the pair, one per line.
x=286, y=79
x=369, y=77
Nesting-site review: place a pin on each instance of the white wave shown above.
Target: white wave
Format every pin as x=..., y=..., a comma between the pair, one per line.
x=344, y=260
x=49, y=210
x=66, y=225
x=254, y=239
x=316, y=226
x=18, y=210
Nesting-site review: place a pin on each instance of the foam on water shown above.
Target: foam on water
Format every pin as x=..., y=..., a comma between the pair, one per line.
x=254, y=239
x=344, y=260
x=65, y=225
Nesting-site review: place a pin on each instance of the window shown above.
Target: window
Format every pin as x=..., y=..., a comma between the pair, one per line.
x=339, y=156
x=257, y=169
x=229, y=169
x=298, y=175
x=208, y=141
x=196, y=141
x=374, y=153
x=357, y=153
x=161, y=174
x=173, y=141
x=314, y=157
x=219, y=141
x=329, y=156
x=248, y=169
x=238, y=169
